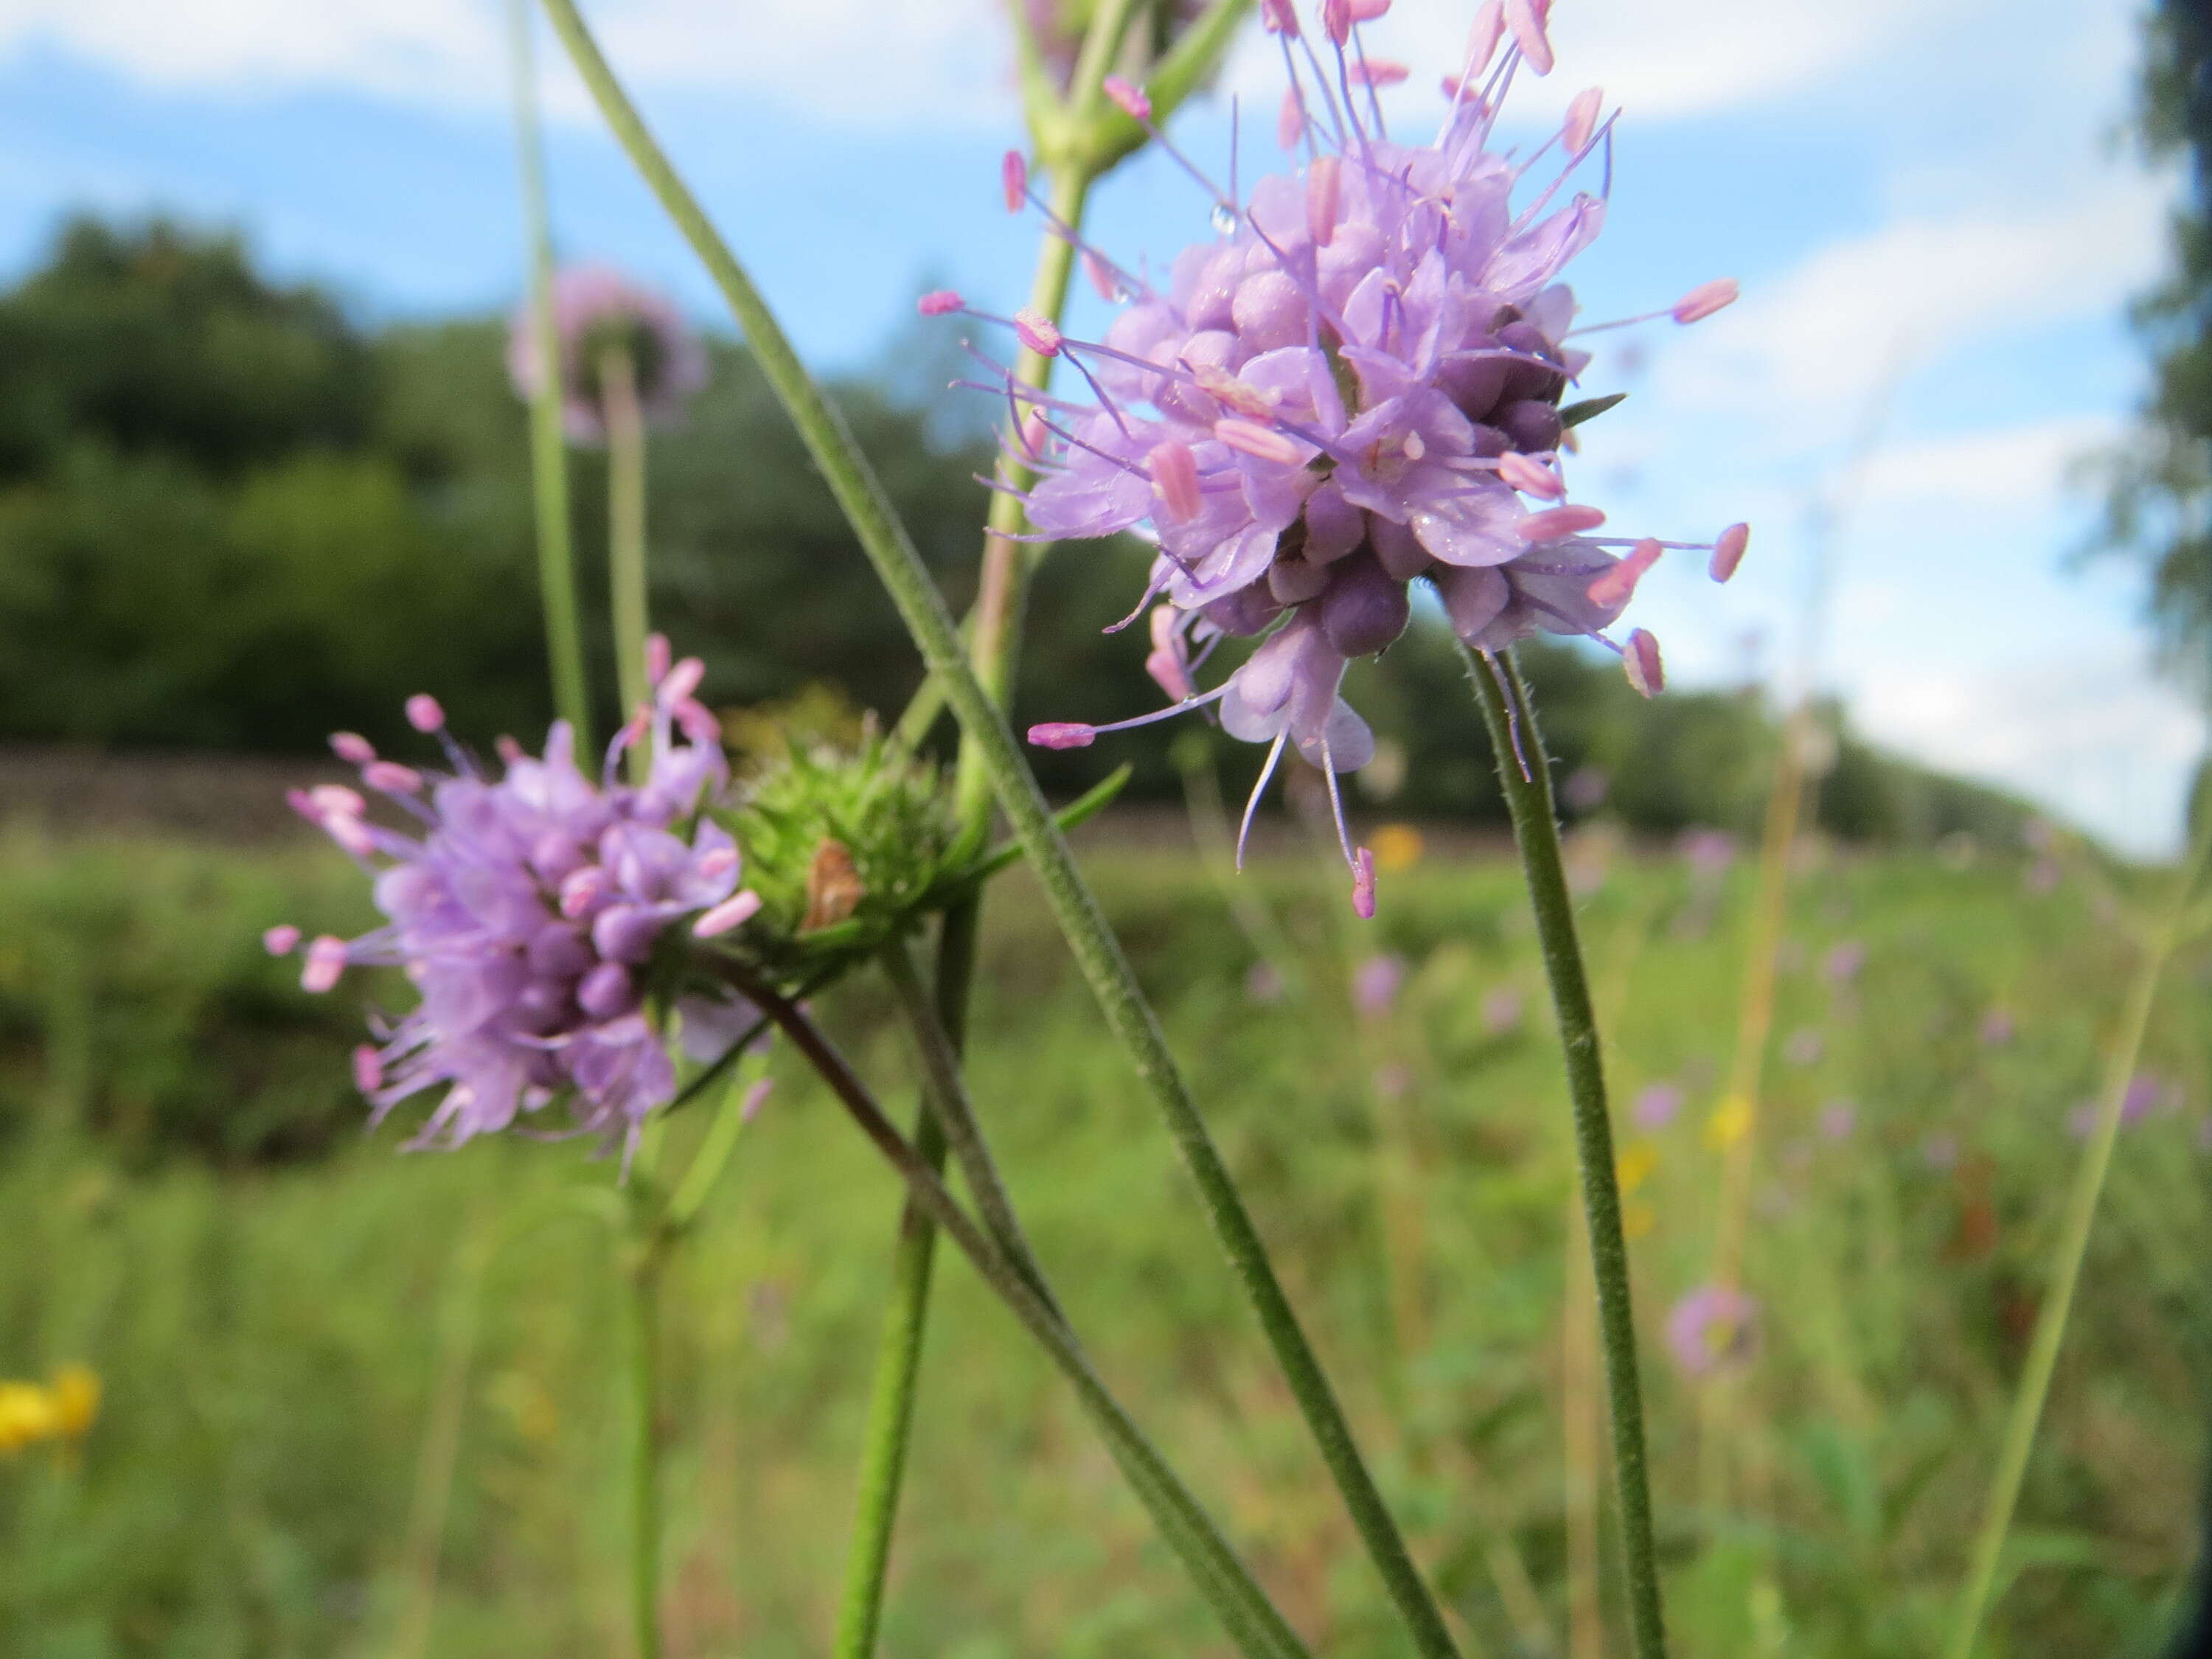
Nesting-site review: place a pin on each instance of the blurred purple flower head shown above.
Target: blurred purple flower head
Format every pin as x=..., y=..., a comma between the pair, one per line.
x=1804, y=1048
x=528, y=911
x=1658, y=1105
x=1838, y=1118
x=1501, y=1010
x=1712, y=1329
x=1708, y=852
x=1392, y=1079
x=596, y=309
x=1375, y=983
x=2043, y=876
x=2145, y=1090
x=1585, y=788
x=1940, y=1152
x=1998, y=1027
x=1263, y=985
x=1844, y=963
x=1355, y=384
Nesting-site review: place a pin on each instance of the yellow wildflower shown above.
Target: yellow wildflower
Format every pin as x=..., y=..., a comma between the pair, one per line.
x=1396, y=847
x=75, y=1393
x=1634, y=1165
x=27, y=1415
x=1729, y=1123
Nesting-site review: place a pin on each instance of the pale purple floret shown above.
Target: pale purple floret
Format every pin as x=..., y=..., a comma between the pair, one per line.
x=528, y=914
x=1356, y=385
x=596, y=308
x=1713, y=1328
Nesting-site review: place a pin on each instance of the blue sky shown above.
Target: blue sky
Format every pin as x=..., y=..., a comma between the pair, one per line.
x=1935, y=230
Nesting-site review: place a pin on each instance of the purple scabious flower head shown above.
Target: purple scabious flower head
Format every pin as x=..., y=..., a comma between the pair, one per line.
x=1712, y=1330
x=1656, y=1105
x=1501, y=1010
x=1843, y=963
x=1708, y=852
x=1356, y=384
x=597, y=308
x=1375, y=985
x=1838, y=1118
x=531, y=910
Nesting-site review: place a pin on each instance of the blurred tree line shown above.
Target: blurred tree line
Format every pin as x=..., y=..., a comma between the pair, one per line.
x=233, y=517
x=2161, y=504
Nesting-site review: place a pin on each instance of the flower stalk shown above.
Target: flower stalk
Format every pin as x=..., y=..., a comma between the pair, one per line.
x=548, y=454
x=628, y=605
x=1098, y=954
x=644, y=1299
x=1524, y=774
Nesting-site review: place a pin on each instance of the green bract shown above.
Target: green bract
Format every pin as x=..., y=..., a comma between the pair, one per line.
x=844, y=847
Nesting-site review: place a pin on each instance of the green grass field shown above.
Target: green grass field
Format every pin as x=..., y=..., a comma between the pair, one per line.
x=361, y=1403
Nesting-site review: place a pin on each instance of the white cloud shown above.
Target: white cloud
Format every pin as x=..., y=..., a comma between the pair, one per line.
x=873, y=60
x=881, y=60
x=2096, y=740
x=2017, y=470
x=1660, y=61
x=1914, y=291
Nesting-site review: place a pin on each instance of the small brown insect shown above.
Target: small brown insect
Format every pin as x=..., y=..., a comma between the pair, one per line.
x=834, y=887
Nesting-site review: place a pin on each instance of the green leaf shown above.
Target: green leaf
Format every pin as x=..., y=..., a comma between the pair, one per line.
x=1589, y=409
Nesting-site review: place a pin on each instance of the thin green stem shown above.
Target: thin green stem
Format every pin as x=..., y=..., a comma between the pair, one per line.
x=1252, y=1621
x=2067, y=1257
x=890, y=1413
x=954, y=1114
x=1098, y=954
x=548, y=454
x=1525, y=774
x=713, y=1154
x=628, y=605
x=644, y=1297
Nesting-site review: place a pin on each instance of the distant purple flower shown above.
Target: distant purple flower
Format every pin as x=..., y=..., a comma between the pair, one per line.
x=1658, y=1105
x=1356, y=384
x=1501, y=1010
x=1708, y=852
x=2144, y=1091
x=1712, y=1329
x=1804, y=1048
x=1844, y=963
x=528, y=916
x=1263, y=985
x=1375, y=985
x=1997, y=1028
x=1838, y=1118
x=1392, y=1079
x=2043, y=876
x=597, y=308
x=1585, y=788
x=1940, y=1152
